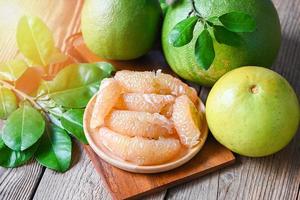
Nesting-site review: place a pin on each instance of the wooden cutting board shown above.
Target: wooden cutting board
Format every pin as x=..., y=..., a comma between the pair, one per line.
x=125, y=185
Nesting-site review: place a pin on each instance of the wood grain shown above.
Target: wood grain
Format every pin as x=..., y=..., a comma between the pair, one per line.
x=274, y=177
x=20, y=183
x=124, y=185
x=82, y=180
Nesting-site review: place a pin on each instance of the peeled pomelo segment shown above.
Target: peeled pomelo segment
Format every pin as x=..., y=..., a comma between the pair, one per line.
x=108, y=95
x=133, y=123
x=167, y=110
x=154, y=82
x=187, y=121
x=140, y=82
x=171, y=85
x=138, y=150
x=152, y=103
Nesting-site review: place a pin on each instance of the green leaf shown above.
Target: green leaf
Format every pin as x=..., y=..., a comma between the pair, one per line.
x=23, y=128
x=164, y=6
x=204, y=50
x=72, y=121
x=182, y=33
x=11, y=158
x=75, y=85
x=12, y=70
x=55, y=150
x=56, y=120
x=238, y=22
x=8, y=102
x=213, y=19
x=35, y=40
x=107, y=68
x=225, y=36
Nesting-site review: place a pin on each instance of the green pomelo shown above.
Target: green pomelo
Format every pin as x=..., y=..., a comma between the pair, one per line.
x=258, y=48
x=120, y=30
x=253, y=111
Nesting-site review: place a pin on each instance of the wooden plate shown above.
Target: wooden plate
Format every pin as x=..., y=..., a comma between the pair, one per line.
x=106, y=155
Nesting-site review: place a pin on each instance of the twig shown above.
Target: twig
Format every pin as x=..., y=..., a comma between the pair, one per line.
x=24, y=96
x=21, y=94
x=195, y=9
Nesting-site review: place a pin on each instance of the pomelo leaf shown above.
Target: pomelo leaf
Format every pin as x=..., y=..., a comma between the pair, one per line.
x=56, y=120
x=204, y=50
x=238, y=22
x=213, y=20
x=55, y=149
x=75, y=85
x=12, y=70
x=8, y=102
x=23, y=128
x=182, y=33
x=57, y=57
x=10, y=158
x=224, y=36
x=164, y=6
x=72, y=121
x=35, y=40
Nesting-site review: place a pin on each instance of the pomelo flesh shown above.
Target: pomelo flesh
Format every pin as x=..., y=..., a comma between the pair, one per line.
x=154, y=82
x=108, y=95
x=187, y=121
x=151, y=103
x=139, y=150
x=132, y=123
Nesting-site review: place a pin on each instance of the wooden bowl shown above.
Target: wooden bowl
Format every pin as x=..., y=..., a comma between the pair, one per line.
x=110, y=158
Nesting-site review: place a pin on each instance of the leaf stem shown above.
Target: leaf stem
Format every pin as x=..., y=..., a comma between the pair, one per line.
x=21, y=94
x=195, y=10
x=25, y=96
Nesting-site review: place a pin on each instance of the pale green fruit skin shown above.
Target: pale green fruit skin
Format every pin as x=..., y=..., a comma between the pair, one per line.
x=118, y=29
x=259, y=48
x=253, y=124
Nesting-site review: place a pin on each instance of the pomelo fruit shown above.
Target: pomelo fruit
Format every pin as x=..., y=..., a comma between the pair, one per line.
x=154, y=82
x=151, y=103
x=133, y=123
x=137, y=82
x=139, y=150
x=258, y=48
x=108, y=95
x=120, y=30
x=187, y=121
x=147, y=118
x=253, y=111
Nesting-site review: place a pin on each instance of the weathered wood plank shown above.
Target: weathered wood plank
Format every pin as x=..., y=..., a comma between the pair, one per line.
x=20, y=183
x=274, y=177
x=81, y=182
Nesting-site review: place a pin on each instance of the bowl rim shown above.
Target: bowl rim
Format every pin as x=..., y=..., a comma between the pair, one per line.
x=127, y=166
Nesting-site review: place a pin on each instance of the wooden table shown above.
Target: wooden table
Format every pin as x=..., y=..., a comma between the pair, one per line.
x=275, y=177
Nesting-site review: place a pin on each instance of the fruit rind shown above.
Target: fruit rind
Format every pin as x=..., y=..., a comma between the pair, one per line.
x=253, y=124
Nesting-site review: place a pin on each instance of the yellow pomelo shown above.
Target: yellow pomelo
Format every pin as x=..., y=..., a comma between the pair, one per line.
x=253, y=111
